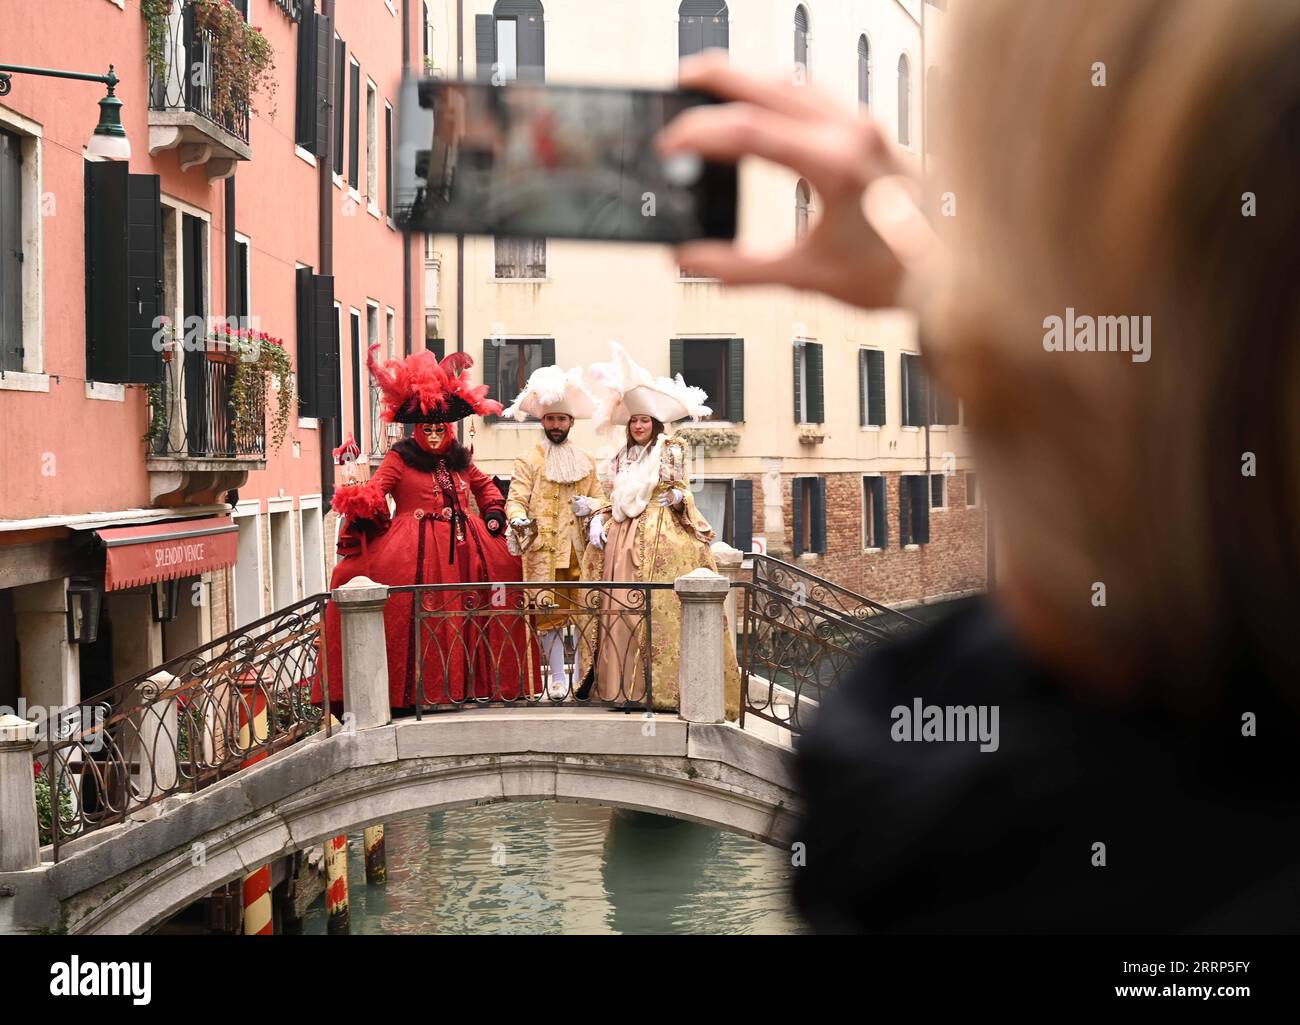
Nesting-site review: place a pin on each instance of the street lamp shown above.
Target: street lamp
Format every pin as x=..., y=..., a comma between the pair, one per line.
x=109, y=141
x=84, y=602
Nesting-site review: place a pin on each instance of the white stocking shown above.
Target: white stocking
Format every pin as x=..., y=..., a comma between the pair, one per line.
x=553, y=646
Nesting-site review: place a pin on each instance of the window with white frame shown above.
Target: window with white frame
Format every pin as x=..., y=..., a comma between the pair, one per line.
x=372, y=146
x=904, y=101
x=22, y=209
x=520, y=258
x=938, y=491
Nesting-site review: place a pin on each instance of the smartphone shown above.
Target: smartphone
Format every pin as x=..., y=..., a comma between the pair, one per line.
x=528, y=159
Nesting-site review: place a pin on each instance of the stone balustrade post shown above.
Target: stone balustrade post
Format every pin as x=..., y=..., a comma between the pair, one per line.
x=700, y=679
x=157, y=738
x=19, y=831
x=361, y=604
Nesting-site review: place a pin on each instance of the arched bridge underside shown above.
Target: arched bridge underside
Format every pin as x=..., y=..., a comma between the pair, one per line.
x=129, y=878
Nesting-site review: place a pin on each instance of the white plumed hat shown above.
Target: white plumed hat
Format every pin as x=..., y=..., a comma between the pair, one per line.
x=626, y=389
x=551, y=390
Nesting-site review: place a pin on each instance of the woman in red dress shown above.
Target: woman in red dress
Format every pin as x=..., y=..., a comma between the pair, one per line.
x=433, y=537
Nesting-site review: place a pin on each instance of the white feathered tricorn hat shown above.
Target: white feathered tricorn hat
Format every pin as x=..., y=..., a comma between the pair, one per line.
x=551, y=390
x=626, y=389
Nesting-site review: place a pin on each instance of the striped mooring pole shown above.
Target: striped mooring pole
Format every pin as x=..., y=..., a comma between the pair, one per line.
x=338, y=917
x=254, y=729
x=376, y=860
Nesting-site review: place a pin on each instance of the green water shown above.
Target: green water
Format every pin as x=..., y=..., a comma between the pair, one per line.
x=542, y=868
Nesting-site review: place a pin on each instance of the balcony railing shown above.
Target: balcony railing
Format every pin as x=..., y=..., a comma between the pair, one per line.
x=184, y=79
x=192, y=412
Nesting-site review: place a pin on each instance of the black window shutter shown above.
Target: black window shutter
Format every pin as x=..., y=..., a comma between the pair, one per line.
x=690, y=36
x=880, y=511
x=548, y=353
x=921, y=510
x=485, y=46
x=742, y=515
x=875, y=387
x=798, y=373
x=11, y=252
x=490, y=354
x=816, y=385
x=904, y=511
x=340, y=101
x=123, y=274
x=305, y=98
x=862, y=388
x=354, y=143
x=817, y=509
x=675, y=359
x=735, y=380
x=717, y=31
x=796, y=514
x=323, y=28
x=531, y=43
x=304, y=293
x=326, y=340
x=915, y=398
x=438, y=346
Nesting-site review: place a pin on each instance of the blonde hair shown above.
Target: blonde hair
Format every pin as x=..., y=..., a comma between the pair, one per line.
x=1130, y=198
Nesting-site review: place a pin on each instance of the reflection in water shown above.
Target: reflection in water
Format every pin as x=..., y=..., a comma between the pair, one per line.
x=545, y=867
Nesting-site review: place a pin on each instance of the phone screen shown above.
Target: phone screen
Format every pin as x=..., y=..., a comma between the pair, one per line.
x=530, y=160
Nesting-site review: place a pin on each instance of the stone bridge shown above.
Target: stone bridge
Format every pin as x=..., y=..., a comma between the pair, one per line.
x=131, y=876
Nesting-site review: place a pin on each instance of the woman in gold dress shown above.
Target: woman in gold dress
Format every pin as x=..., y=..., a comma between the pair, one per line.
x=648, y=530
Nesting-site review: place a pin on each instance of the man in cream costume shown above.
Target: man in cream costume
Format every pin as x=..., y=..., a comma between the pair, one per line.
x=553, y=485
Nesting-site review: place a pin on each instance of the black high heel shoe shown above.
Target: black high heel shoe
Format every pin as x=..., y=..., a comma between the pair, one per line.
x=583, y=692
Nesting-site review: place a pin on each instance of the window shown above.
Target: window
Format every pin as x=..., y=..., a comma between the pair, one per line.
x=249, y=597
x=388, y=158
x=313, y=77
x=354, y=125
x=313, y=549
x=904, y=102
x=875, y=523
x=372, y=146
x=915, y=401
x=12, y=257
x=713, y=499
x=800, y=44
x=871, y=387
x=372, y=338
x=808, y=387
x=243, y=282
x=701, y=25
x=318, y=345
x=808, y=507
x=718, y=366
x=972, y=490
x=520, y=258
x=864, y=71
x=357, y=363
x=508, y=362
x=938, y=491
x=426, y=37
x=913, y=510
x=802, y=209
x=510, y=42
x=340, y=101
x=283, y=575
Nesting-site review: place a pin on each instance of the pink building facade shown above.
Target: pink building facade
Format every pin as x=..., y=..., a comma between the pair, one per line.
x=280, y=217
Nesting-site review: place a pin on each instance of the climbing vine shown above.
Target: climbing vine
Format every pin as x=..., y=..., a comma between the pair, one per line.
x=243, y=61
x=261, y=356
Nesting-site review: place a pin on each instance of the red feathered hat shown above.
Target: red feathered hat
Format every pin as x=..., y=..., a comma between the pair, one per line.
x=422, y=390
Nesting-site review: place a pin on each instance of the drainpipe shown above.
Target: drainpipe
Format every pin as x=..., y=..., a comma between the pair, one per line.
x=460, y=239
x=409, y=332
x=325, y=192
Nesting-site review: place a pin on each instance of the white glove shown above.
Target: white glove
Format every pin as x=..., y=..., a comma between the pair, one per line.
x=519, y=523
x=672, y=497
x=596, y=532
x=583, y=506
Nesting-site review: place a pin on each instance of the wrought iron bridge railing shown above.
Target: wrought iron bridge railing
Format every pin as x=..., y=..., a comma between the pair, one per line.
x=185, y=78
x=193, y=720
x=799, y=635
x=192, y=411
x=505, y=643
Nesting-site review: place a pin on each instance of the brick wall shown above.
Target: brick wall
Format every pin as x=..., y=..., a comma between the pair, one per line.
x=952, y=562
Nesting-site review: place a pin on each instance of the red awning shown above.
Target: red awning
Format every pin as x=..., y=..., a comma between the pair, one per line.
x=162, y=551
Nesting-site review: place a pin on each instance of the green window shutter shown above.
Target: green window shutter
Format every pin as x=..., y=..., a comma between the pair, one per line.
x=875, y=387
x=816, y=385
x=354, y=143
x=675, y=359
x=11, y=252
x=735, y=380
x=880, y=511
x=796, y=515
x=817, y=537
x=438, y=346
x=916, y=402
x=306, y=342
x=742, y=515
x=904, y=511
x=798, y=373
x=921, y=508
x=548, y=354
x=123, y=274
x=485, y=46
x=862, y=388
x=531, y=44
x=340, y=101
x=490, y=357
x=326, y=342
x=324, y=29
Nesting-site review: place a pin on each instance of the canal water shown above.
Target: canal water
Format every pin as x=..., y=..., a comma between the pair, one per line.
x=545, y=868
